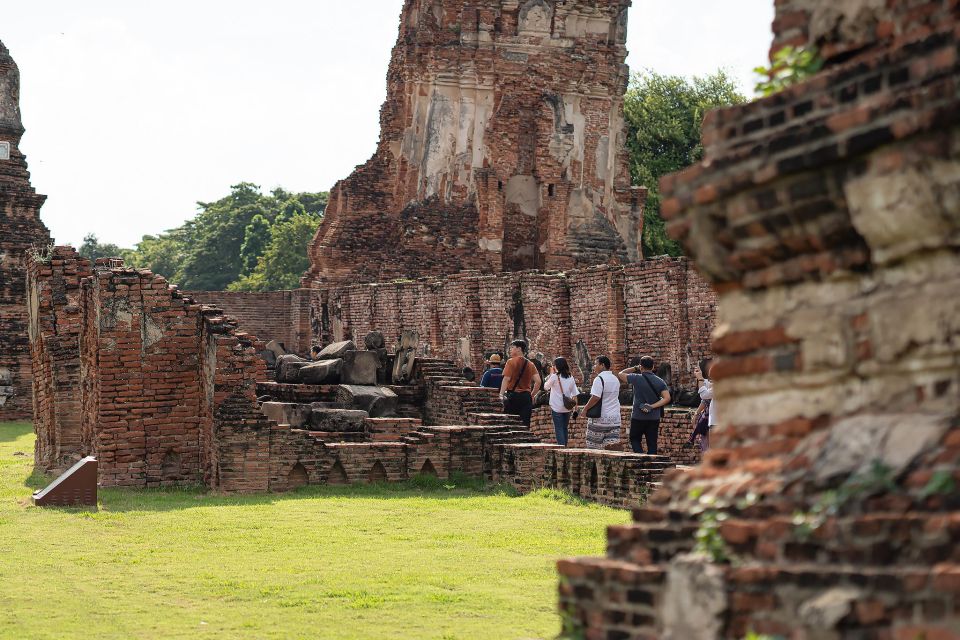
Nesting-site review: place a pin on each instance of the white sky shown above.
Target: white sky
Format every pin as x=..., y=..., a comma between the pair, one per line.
x=134, y=111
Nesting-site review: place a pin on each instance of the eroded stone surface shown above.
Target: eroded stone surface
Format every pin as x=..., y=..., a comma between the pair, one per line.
x=502, y=147
x=826, y=217
x=696, y=597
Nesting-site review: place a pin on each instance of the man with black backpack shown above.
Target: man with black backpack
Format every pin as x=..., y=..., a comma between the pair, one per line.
x=650, y=395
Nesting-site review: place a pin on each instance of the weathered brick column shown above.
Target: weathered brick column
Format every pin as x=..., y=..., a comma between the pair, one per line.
x=55, y=324
x=20, y=230
x=828, y=219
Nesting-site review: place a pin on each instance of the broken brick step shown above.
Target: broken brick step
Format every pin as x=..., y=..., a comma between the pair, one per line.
x=622, y=596
x=339, y=436
x=873, y=539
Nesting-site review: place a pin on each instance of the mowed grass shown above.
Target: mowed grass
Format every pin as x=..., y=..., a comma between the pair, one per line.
x=417, y=560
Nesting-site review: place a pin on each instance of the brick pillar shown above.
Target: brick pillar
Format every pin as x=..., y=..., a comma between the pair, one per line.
x=55, y=325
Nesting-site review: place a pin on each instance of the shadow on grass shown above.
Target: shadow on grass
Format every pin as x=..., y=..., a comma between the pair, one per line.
x=122, y=500
x=127, y=499
x=10, y=431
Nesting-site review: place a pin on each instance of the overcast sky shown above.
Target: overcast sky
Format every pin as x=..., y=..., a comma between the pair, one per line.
x=135, y=111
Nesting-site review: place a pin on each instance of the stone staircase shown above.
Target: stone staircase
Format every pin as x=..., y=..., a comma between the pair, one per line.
x=438, y=371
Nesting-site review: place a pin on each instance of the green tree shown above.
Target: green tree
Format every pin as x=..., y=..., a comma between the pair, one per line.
x=163, y=254
x=224, y=242
x=92, y=248
x=256, y=237
x=213, y=258
x=664, y=117
x=285, y=258
x=314, y=203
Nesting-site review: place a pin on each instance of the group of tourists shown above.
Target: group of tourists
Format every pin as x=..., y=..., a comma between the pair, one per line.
x=519, y=382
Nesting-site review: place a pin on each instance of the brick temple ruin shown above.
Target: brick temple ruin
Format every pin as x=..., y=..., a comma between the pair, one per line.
x=502, y=147
x=165, y=390
x=825, y=217
x=828, y=218
x=169, y=387
x=20, y=230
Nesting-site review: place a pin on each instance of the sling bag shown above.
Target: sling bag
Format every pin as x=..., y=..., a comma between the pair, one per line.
x=569, y=402
x=512, y=392
x=597, y=410
x=655, y=395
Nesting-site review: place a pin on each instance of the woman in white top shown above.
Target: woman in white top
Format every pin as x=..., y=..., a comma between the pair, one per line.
x=560, y=384
x=705, y=416
x=605, y=430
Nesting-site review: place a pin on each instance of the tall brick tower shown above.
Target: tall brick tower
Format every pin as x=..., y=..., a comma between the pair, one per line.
x=502, y=147
x=20, y=228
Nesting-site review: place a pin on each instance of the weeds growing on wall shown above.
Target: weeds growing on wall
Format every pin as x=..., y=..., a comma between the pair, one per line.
x=712, y=512
x=42, y=254
x=879, y=478
x=790, y=65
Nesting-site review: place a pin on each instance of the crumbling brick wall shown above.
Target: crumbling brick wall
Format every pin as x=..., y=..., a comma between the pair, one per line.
x=20, y=230
x=160, y=388
x=502, y=147
x=660, y=307
x=826, y=218
x=141, y=394
x=163, y=391
x=283, y=316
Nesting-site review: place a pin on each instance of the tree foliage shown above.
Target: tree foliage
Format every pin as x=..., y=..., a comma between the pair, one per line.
x=789, y=66
x=92, y=248
x=664, y=116
x=224, y=243
x=285, y=258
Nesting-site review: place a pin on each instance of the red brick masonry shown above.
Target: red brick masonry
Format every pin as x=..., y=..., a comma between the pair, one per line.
x=661, y=307
x=827, y=217
x=20, y=230
x=502, y=147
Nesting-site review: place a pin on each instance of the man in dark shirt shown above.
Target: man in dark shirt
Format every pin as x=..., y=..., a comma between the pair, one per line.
x=493, y=376
x=650, y=395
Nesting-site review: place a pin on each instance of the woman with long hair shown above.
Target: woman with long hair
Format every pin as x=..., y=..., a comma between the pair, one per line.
x=563, y=398
x=703, y=418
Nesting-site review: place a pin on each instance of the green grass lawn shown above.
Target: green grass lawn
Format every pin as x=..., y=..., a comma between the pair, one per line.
x=417, y=560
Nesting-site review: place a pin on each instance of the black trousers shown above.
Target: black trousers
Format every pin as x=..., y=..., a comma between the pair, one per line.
x=640, y=429
x=519, y=403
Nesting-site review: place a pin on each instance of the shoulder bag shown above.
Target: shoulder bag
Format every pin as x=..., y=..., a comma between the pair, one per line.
x=569, y=402
x=655, y=395
x=512, y=392
x=597, y=410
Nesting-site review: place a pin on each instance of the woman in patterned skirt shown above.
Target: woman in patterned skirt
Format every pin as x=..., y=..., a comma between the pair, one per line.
x=604, y=430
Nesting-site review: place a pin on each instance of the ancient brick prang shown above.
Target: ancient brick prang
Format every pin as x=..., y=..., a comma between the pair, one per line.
x=20, y=230
x=827, y=217
x=502, y=147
